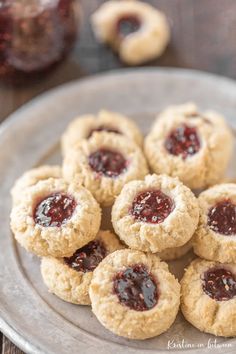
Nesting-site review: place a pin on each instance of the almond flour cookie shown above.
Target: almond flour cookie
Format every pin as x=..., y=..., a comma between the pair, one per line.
x=31, y=177
x=155, y=214
x=170, y=254
x=55, y=218
x=137, y=31
x=104, y=164
x=134, y=295
x=208, y=297
x=69, y=278
x=84, y=126
x=215, y=237
x=196, y=147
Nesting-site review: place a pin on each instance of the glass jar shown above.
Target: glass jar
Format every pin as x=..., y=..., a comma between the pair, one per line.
x=34, y=34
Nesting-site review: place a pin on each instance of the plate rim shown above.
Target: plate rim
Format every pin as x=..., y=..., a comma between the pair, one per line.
x=10, y=119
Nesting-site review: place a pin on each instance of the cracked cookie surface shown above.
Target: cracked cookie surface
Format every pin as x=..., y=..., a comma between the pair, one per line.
x=215, y=237
x=154, y=223
x=69, y=278
x=208, y=297
x=104, y=164
x=31, y=177
x=134, y=295
x=55, y=218
x=196, y=147
x=84, y=126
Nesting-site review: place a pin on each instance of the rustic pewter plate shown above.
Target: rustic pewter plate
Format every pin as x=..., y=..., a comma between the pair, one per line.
x=35, y=320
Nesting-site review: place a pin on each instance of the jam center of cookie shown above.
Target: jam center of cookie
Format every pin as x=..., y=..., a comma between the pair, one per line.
x=222, y=218
x=183, y=141
x=102, y=128
x=87, y=258
x=54, y=210
x=219, y=284
x=107, y=162
x=136, y=288
x=152, y=206
x=127, y=25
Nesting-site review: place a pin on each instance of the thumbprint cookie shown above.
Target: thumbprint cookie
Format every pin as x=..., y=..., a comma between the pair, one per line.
x=136, y=30
x=208, y=297
x=134, y=295
x=83, y=127
x=155, y=214
x=194, y=146
x=55, y=218
x=104, y=164
x=215, y=237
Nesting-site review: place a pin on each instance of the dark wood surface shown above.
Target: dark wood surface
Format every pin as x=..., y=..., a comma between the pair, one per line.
x=203, y=37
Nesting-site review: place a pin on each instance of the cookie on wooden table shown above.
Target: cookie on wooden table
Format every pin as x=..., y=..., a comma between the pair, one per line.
x=136, y=30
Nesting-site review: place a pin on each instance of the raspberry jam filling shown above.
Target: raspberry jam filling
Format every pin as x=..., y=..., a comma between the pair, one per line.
x=151, y=206
x=105, y=129
x=183, y=141
x=107, y=162
x=54, y=210
x=87, y=258
x=219, y=284
x=136, y=288
x=127, y=25
x=222, y=218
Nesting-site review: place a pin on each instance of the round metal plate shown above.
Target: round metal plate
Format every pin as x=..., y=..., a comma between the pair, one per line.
x=35, y=320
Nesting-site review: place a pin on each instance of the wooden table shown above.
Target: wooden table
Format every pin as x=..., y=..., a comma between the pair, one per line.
x=203, y=37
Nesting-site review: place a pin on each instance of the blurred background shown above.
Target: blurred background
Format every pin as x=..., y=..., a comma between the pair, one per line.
x=202, y=37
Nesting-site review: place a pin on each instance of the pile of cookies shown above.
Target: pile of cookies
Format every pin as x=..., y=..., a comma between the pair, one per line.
x=156, y=217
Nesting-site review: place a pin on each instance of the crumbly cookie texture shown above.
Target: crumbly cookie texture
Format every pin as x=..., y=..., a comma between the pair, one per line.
x=145, y=42
x=83, y=126
x=204, y=168
x=54, y=241
x=123, y=320
x=69, y=284
x=105, y=189
x=207, y=243
x=170, y=254
x=31, y=177
x=176, y=229
x=202, y=311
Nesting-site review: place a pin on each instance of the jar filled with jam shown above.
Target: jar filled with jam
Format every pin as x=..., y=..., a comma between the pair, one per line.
x=35, y=34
